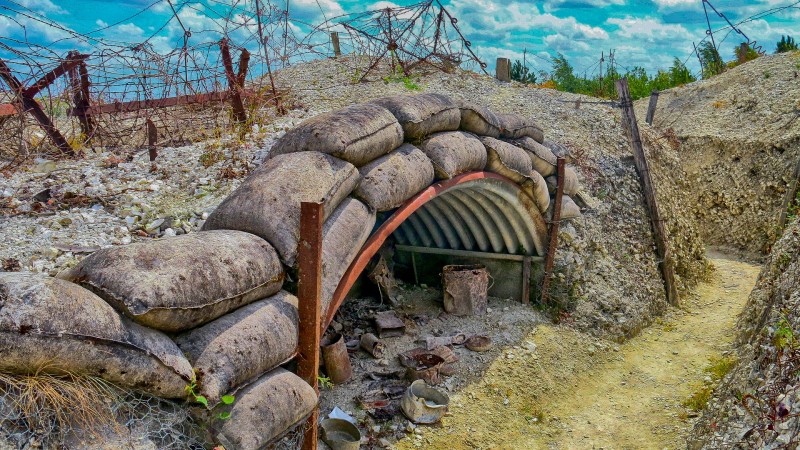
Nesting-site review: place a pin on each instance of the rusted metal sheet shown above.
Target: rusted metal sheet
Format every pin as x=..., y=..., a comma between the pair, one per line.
x=551, y=251
x=389, y=325
x=373, y=244
x=135, y=105
x=7, y=109
x=309, y=290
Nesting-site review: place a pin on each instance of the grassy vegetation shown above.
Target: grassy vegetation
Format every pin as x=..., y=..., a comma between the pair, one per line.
x=717, y=368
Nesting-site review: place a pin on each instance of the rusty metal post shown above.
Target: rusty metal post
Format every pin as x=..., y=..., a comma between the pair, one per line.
x=239, y=114
x=643, y=169
x=337, y=51
x=651, y=108
x=309, y=290
x=152, y=137
x=29, y=104
x=549, y=259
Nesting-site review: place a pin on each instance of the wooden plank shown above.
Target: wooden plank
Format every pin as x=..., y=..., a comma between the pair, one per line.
x=526, y=280
x=642, y=167
x=465, y=253
x=651, y=108
x=553, y=244
x=309, y=290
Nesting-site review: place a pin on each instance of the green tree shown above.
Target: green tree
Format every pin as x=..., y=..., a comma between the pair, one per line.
x=710, y=59
x=749, y=53
x=679, y=74
x=563, y=74
x=522, y=73
x=786, y=44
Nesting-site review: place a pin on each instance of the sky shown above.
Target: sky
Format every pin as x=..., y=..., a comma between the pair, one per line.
x=645, y=33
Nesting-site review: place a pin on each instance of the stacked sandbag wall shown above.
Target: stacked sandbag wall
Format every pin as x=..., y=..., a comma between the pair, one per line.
x=211, y=310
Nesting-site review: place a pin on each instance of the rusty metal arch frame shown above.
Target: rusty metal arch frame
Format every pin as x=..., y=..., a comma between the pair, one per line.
x=376, y=240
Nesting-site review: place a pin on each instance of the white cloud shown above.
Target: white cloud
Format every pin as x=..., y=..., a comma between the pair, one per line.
x=647, y=29
x=42, y=6
x=554, y=4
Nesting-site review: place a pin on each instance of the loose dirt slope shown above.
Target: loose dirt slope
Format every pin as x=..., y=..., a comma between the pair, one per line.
x=558, y=390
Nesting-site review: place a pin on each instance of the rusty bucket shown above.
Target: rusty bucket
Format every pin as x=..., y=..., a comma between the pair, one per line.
x=465, y=289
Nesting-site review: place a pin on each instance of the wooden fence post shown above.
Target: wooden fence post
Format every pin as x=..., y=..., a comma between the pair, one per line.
x=550, y=257
x=642, y=167
x=152, y=137
x=337, y=51
x=309, y=289
x=503, y=69
x=239, y=114
x=79, y=84
x=651, y=108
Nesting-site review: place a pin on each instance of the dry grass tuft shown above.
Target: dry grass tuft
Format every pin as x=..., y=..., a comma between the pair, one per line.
x=54, y=405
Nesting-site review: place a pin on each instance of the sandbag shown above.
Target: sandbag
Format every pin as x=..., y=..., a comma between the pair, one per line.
x=421, y=115
x=479, y=120
x=453, y=153
x=242, y=345
x=507, y=160
x=513, y=126
x=267, y=203
x=54, y=326
x=178, y=283
x=264, y=410
x=390, y=180
x=543, y=160
x=556, y=148
x=536, y=187
x=357, y=134
x=343, y=235
x=569, y=209
x=571, y=185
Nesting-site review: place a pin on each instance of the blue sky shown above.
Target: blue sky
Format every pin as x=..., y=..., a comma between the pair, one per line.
x=647, y=33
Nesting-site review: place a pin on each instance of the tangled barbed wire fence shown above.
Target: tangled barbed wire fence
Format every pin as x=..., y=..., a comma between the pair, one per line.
x=181, y=83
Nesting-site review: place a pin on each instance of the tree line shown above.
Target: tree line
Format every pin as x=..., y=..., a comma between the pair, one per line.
x=562, y=75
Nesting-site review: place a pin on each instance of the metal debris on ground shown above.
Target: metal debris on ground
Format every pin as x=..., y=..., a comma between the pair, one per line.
x=389, y=325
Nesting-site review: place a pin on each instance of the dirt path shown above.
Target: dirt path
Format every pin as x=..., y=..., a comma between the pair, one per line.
x=560, y=389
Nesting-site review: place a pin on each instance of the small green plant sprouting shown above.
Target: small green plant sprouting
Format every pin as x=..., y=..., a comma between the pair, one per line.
x=783, y=261
x=783, y=337
x=191, y=390
x=767, y=75
x=325, y=382
x=408, y=82
x=227, y=400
